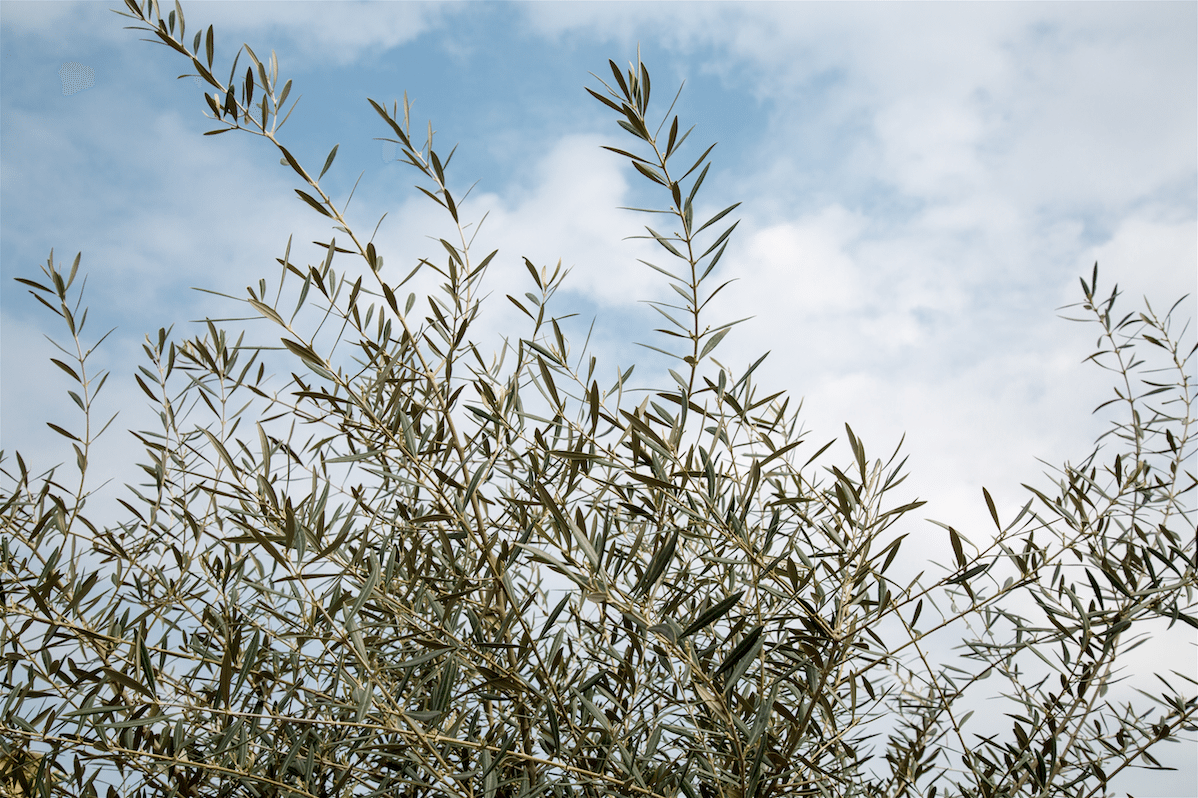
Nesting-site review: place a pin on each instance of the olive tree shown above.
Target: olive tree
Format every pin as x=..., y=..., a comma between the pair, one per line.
x=335, y=582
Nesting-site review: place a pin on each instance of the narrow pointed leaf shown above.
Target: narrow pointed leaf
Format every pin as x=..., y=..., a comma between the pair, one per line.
x=713, y=614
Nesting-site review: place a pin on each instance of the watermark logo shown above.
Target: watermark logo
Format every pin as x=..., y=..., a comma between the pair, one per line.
x=76, y=77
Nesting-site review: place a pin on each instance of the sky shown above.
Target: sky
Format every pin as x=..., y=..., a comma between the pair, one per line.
x=921, y=184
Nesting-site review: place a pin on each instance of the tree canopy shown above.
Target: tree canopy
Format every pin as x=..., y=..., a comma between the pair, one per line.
x=416, y=566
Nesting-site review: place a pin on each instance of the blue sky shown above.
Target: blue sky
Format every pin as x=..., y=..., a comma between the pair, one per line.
x=922, y=185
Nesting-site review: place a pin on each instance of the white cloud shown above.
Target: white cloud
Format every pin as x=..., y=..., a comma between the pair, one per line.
x=1150, y=255
x=930, y=147
x=335, y=33
x=571, y=211
x=50, y=20
x=935, y=331
x=801, y=268
x=1045, y=104
x=311, y=34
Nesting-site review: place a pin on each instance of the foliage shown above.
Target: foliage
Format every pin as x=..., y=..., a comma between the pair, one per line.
x=342, y=585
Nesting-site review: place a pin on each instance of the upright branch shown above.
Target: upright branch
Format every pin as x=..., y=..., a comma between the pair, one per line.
x=630, y=99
